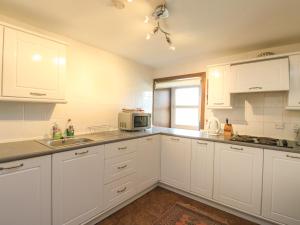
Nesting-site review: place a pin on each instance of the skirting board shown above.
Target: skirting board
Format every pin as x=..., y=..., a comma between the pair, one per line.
x=244, y=215
x=255, y=219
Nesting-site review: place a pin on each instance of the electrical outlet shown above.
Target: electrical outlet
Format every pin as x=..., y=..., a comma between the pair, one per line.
x=296, y=127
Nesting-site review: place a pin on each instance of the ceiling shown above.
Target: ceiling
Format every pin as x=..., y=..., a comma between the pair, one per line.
x=199, y=27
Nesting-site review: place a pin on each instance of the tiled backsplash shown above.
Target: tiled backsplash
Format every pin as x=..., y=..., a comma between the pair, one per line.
x=260, y=114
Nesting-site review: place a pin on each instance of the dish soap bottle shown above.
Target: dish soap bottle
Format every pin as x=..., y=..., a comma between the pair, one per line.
x=56, y=132
x=69, y=132
x=228, y=130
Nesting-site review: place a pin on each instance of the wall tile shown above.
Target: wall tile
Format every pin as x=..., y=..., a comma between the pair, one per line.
x=273, y=114
x=259, y=113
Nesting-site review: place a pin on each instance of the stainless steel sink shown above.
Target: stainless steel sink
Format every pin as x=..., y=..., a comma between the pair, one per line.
x=65, y=142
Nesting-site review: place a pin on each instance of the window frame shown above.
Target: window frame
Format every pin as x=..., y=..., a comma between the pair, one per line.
x=204, y=84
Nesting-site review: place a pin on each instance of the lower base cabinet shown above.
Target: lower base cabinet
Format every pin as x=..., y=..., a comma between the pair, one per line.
x=25, y=197
x=77, y=185
x=202, y=168
x=238, y=177
x=148, y=162
x=119, y=191
x=281, y=190
x=176, y=162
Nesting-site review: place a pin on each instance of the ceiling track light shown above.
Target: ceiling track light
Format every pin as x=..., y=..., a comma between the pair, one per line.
x=160, y=12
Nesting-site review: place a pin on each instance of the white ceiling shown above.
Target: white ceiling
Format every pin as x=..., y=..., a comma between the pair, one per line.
x=199, y=27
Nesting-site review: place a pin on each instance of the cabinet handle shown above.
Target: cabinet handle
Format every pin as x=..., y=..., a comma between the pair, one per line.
x=122, y=167
x=122, y=148
x=37, y=94
x=219, y=103
x=122, y=190
x=12, y=167
x=82, y=153
x=175, y=139
x=234, y=148
x=149, y=139
x=293, y=157
x=255, y=88
x=202, y=143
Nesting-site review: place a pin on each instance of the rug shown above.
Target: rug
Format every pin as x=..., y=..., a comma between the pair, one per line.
x=183, y=214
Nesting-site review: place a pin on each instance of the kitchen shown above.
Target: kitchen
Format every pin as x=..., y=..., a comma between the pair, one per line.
x=58, y=71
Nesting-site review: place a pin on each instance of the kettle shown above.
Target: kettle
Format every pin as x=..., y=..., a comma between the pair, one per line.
x=213, y=126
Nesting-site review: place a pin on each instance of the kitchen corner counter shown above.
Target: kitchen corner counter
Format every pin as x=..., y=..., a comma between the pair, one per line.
x=27, y=149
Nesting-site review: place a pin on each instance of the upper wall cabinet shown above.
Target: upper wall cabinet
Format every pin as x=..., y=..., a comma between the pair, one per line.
x=261, y=76
x=218, y=83
x=33, y=68
x=294, y=93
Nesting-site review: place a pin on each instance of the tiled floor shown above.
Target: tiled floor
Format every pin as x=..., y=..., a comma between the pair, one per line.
x=147, y=209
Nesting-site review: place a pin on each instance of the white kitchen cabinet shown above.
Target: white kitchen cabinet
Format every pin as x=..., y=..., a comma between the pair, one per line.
x=281, y=197
x=25, y=196
x=33, y=67
x=202, y=168
x=119, y=191
x=238, y=177
x=1, y=54
x=294, y=93
x=218, y=84
x=261, y=76
x=148, y=159
x=77, y=185
x=176, y=162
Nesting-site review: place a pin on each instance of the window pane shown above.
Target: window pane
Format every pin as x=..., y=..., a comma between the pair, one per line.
x=187, y=96
x=187, y=116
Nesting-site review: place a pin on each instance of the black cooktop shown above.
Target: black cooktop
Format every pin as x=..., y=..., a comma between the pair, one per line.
x=265, y=141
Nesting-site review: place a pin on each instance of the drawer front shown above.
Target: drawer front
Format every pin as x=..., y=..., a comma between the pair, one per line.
x=175, y=139
x=119, y=191
x=122, y=166
x=119, y=148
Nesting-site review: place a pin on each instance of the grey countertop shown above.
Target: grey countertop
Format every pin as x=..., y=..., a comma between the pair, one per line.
x=27, y=149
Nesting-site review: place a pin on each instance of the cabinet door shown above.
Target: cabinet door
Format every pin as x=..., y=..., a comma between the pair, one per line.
x=148, y=159
x=25, y=196
x=202, y=167
x=270, y=75
x=33, y=67
x=77, y=185
x=176, y=162
x=281, y=198
x=294, y=93
x=1, y=54
x=219, y=80
x=238, y=177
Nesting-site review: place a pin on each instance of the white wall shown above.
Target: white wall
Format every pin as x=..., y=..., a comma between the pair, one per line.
x=99, y=85
x=252, y=114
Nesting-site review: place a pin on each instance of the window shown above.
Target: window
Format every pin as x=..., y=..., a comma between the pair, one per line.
x=185, y=107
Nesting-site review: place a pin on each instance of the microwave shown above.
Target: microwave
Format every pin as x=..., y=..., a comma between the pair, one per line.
x=133, y=121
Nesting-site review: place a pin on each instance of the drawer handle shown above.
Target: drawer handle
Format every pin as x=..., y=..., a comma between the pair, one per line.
x=82, y=153
x=37, y=94
x=293, y=157
x=122, y=148
x=234, y=148
x=122, y=190
x=201, y=143
x=255, y=88
x=12, y=167
x=122, y=167
x=149, y=139
x=219, y=103
x=175, y=139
